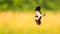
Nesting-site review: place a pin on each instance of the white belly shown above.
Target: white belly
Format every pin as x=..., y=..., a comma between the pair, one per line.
x=38, y=14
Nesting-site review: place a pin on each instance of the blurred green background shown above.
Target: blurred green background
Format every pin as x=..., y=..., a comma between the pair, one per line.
x=29, y=4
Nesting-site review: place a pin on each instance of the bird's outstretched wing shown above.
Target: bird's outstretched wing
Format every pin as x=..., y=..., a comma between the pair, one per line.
x=38, y=22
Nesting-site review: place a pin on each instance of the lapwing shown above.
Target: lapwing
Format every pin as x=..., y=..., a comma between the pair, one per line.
x=38, y=15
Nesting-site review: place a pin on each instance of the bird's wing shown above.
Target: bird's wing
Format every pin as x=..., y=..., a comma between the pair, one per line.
x=38, y=21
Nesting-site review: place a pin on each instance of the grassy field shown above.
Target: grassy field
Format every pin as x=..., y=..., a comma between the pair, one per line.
x=24, y=23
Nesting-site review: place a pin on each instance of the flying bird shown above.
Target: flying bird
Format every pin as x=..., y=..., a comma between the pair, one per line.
x=38, y=15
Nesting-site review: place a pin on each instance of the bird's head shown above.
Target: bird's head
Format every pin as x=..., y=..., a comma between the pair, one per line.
x=38, y=8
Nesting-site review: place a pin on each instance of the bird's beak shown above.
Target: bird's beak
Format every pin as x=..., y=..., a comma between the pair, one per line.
x=44, y=14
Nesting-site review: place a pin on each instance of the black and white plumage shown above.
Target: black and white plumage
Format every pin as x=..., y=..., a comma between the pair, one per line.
x=38, y=15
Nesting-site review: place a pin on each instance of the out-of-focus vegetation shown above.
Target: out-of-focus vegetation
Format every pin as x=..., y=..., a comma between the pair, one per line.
x=29, y=4
x=24, y=23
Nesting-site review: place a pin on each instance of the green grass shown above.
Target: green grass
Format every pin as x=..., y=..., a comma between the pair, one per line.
x=51, y=30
